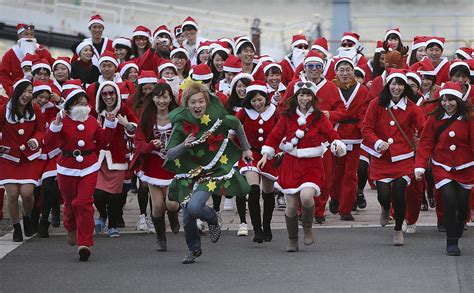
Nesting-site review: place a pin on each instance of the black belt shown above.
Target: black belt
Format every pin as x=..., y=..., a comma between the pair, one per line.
x=77, y=153
x=350, y=121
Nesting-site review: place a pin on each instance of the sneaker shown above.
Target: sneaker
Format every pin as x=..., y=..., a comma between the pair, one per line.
x=201, y=226
x=214, y=232
x=384, y=217
x=141, y=224
x=149, y=223
x=54, y=218
x=333, y=206
x=361, y=201
x=411, y=229
x=398, y=238
x=319, y=220
x=84, y=253
x=191, y=256
x=280, y=201
x=113, y=232
x=243, y=230
x=432, y=202
x=228, y=204
x=99, y=225
x=347, y=217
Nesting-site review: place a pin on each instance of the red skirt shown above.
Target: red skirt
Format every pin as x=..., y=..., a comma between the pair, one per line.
x=110, y=181
x=24, y=172
x=298, y=173
x=382, y=168
x=464, y=176
x=269, y=171
x=153, y=173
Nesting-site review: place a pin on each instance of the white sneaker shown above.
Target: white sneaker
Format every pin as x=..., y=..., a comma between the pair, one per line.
x=228, y=205
x=411, y=229
x=151, y=227
x=404, y=226
x=243, y=230
x=200, y=225
x=141, y=224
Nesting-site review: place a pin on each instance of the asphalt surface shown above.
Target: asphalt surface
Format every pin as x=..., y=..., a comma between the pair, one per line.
x=356, y=260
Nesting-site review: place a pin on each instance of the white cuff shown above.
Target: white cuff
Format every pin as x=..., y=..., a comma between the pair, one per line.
x=377, y=144
x=111, y=124
x=337, y=143
x=269, y=151
x=422, y=170
x=131, y=134
x=55, y=128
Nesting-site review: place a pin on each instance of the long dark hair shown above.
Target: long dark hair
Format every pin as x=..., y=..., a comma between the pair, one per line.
x=73, y=100
x=148, y=119
x=129, y=51
x=290, y=105
x=138, y=98
x=29, y=111
x=187, y=66
x=234, y=100
x=464, y=107
x=377, y=66
x=385, y=96
x=413, y=59
x=400, y=48
x=135, y=48
x=217, y=76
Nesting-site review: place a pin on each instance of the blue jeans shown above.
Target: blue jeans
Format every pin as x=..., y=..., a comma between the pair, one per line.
x=194, y=209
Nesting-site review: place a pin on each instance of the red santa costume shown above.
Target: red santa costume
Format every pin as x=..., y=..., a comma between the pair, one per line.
x=107, y=44
x=442, y=69
x=232, y=65
x=150, y=60
x=56, y=86
x=291, y=61
x=77, y=168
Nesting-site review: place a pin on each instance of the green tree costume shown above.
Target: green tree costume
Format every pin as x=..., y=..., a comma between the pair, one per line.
x=208, y=164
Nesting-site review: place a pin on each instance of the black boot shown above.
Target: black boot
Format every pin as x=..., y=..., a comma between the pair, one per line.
x=174, y=222
x=43, y=229
x=17, y=233
x=268, y=207
x=160, y=229
x=424, y=204
x=28, y=226
x=254, y=211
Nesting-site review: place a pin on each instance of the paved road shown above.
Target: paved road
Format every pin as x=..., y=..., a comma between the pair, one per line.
x=356, y=259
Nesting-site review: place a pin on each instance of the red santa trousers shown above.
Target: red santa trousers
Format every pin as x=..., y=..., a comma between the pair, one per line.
x=2, y=193
x=321, y=200
x=344, y=183
x=413, y=198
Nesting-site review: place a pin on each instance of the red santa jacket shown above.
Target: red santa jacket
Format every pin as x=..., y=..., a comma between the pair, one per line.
x=281, y=90
x=379, y=126
x=328, y=98
x=454, y=149
x=287, y=70
x=289, y=135
x=10, y=69
x=350, y=124
x=107, y=45
x=257, y=126
x=16, y=134
x=82, y=138
x=149, y=60
x=442, y=71
x=376, y=86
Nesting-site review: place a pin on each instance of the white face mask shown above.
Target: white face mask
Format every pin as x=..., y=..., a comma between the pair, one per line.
x=27, y=45
x=350, y=53
x=174, y=83
x=80, y=113
x=298, y=56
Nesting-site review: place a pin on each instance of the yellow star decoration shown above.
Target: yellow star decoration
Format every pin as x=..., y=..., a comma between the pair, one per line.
x=223, y=159
x=205, y=119
x=211, y=185
x=177, y=163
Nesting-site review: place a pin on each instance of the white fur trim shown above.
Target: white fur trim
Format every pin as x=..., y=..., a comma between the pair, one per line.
x=455, y=93
x=464, y=54
x=43, y=87
x=232, y=69
x=349, y=38
x=21, y=181
x=41, y=65
x=266, y=68
x=55, y=128
x=435, y=41
x=298, y=189
x=78, y=172
x=320, y=48
x=294, y=141
x=268, y=150
x=107, y=155
x=144, y=80
x=301, y=121
x=127, y=67
x=393, y=75
x=256, y=87
x=179, y=50
x=239, y=77
x=402, y=157
x=392, y=32
x=166, y=65
x=202, y=76
x=299, y=133
x=154, y=181
x=108, y=58
x=245, y=169
x=313, y=59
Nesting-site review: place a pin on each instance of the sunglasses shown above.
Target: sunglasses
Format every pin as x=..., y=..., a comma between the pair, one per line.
x=107, y=93
x=312, y=66
x=302, y=47
x=28, y=27
x=306, y=84
x=347, y=45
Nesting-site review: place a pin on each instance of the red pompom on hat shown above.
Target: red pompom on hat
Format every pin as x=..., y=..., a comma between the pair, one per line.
x=41, y=86
x=435, y=40
x=321, y=44
x=123, y=67
x=189, y=21
x=96, y=19
x=392, y=31
x=122, y=41
x=257, y=85
x=162, y=29
x=66, y=61
x=395, y=72
x=233, y=64
x=314, y=56
x=452, y=88
x=178, y=30
x=379, y=47
x=201, y=72
x=108, y=56
x=147, y=76
x=141, y=31
x=466, y=52
x=350, y=36
x=40, y=63
x=298, y=40
x=165, y=63
x=28, y=59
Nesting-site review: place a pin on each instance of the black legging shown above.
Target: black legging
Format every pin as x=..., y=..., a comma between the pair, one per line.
x=362, y=174
x=143, y=198
x=430, y=184
x=49, y=197
x=394, y=190
x=109, y=206
x=456, y=208
x=240, y=201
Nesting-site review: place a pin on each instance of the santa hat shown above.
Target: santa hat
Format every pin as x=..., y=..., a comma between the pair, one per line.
x=415, y=76
x=41, y=86
x=257, y=85
x=20, y=81
x=177, y=50
x=202, y=46
x=304, y=85
x=178, y=30
x=350, y=36
x=28, y=59
x=162, y=29
x=202, y=72
x=72, y=84
x=423, y=67
x=21, y=27
x=81, y=46
x=269, y=65
x=122, y=41
x=165, y=63
x=313, y=56
x=470, y=62
x=229, y=43
x=394, y=72
x=239, y=77
x=68, y=93
x=189, y=21
x=141, y=31
x=457, y=63
x=343, y=59
x=452, y=88
x=418, y=42
x=379, y=47
x=392, y=31
x=321, y=44
x=123, y=67
x=298, y=40
x=98, y=97
x=466, y=52
x=233, y=64
x=147, y=76
x=124, y=90
x=40, y=63
x=108, y=56
x=243, y=40
x=96, y=19
x=239, y=39
x=66, y=61
x=218, y=46
x=358, y=69
x=435, y=40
